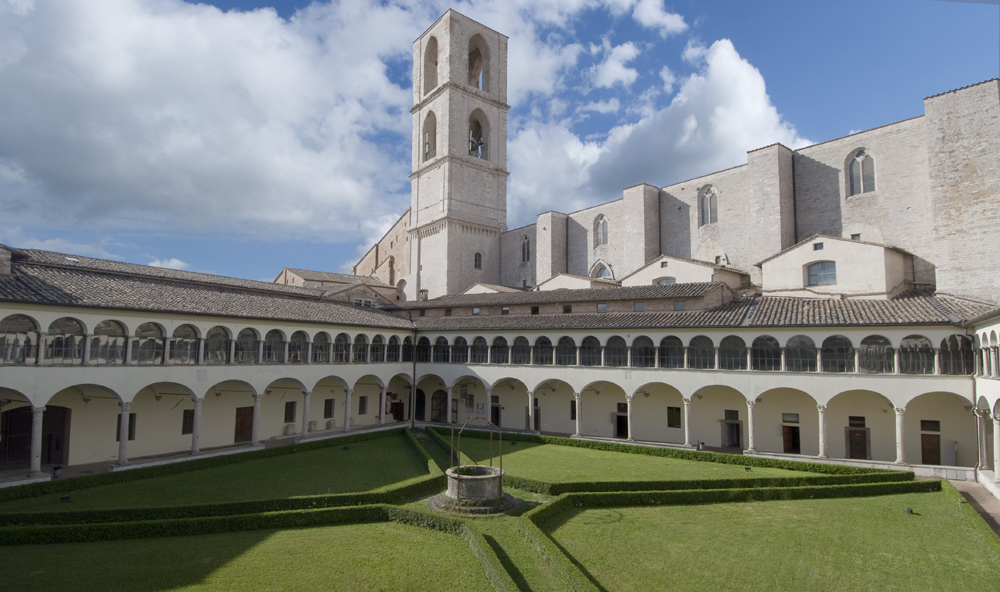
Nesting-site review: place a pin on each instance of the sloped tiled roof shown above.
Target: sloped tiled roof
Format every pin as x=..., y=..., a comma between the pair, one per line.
x=498, y=288
x=329, y=276
x=692, y=290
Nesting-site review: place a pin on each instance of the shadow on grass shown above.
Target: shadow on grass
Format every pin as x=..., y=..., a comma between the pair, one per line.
x=515, y=574
x=577, y=564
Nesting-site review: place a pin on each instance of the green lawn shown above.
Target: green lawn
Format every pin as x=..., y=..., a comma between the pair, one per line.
x=367, y=465
x=365, y=557
x=824, y=545
x=559, y=464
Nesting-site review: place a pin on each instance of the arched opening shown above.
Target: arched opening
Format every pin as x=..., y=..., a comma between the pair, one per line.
x=643, y=352
x=786, y=422
x=938, y=429
x=957, y=357
x=732, y=353
x=439, y=406
x=460, y=351
x=298, y=347
x=342, y=348
x=671, y=352
x=499, y=352
x=378, y=349
x=424, y=349
x=147, y=347
x=616, y=352
x=431, y=65
x=861, y=425
x=360, y=349
x=107, y=346
x=718, y=417
x=477, y=260
x=800, y=354
x=274, y=347
x=916, y=355
x=17, y=341
x=657, y=413
x=566, y=352
x=525, y=249
x=542, y=352
x=861, y=173
x=876, y=355
x=184, y=346
x=480, y=351
x=64, y=343
x=479, y=64
x=520, y=353
x=216, y=345
x=701, y=353
x=590, y=352
x=441, y=350
x=245, y=349
x=321, y=348
x=837, y=354
x=430, y=136
x=765, y=354
x=708, y=204
x=392, y=350
x=600, y=231
x=479, y=135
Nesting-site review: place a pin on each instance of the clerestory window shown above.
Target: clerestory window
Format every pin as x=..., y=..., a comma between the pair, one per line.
x=600, y=231
x=861, y=173
x=708, y=206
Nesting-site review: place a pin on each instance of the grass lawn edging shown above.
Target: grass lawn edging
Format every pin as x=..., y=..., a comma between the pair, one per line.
x=972, y=516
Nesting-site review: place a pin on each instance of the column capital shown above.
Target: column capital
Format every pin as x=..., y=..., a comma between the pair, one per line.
x=348, y=391
x=39, y=409
x=687, y=400
x=257, y=397
x=308, y=392
x=126, y=406
x=750, y=404
x=577, y=396
x=821, y=408
x=531, y=393
x=983, y=413
x=197, y=402
x=629, y=396
x=900, y=410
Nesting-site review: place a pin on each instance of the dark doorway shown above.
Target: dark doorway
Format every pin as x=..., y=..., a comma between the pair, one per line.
x=15, y=437
x=397, y=411
x=930, y=449
x=495, y=415
x=732, y=435
x=857, y=443
x=244, y=424
x=420, y=407
x=791, y=438
x=439, y=406
x=621, y=426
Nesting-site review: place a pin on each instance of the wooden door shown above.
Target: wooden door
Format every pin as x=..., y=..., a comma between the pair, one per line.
x=244, y=424
x=930, y=449
x=495, y=415
x=857, y=444
x=621, y=426
x=397, y=411
x=791, y=437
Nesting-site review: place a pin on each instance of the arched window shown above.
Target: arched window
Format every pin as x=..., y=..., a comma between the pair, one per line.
x=441, y=350
x=708, y=207
x=460, y=351
x=765, y=354
x=601, y=271
x=566, y=352
x=861, y=173
x=321, y=349
x=274, y=347
x=600, y=231
x=479, y=135
x=837, y=354
x=360, y=349
x=478, y=260
x=184, y=346
x=615, y=352
x=479, y=64
x=671, y=352
x=16, y=340
x=64, y=344
x=733, y=353
x=216, y=346
x=916, y=355
x=643, y=353
x=392, y=350
x=499, y=353
x=590, y=352
x=245, y=351
x=520, y=353
x=480, y=351
x=876, y=356
x=431, y=65
x=800, y=354
x=407, y=349
x=147, y=347
x=956, y=355
x=542, y=352
x=430, y=136
x=525, y=249
x=297, y=348
x=666, y=281
x=823, y=273
x=701, y=353
x=377, y=349
x=342, y=349
x=424, y=350
x=107, y=346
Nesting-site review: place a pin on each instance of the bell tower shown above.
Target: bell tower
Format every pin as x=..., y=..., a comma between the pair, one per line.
x=459, y=180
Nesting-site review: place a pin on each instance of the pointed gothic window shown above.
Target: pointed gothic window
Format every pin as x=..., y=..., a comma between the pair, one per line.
x=600, y=231
x=431, y=65
x=478, y=135
x=478, y=260
x=430, y=137
x=861, y=172
x=479, y=64
x=708, y=206
x=525, y=249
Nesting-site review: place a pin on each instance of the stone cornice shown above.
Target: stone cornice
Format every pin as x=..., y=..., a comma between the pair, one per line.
x=437, y=226
x=468, y=90
x=476, y=163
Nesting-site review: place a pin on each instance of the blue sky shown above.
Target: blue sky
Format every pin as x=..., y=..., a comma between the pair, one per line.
x=242, y=137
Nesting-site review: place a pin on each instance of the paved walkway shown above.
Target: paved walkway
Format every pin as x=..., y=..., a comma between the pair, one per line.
x=983, y=502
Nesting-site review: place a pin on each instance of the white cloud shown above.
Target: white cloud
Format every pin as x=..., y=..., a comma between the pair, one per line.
x=610, y=106
x=613, y=69
x=15, y=237
x=668, y=78
x=171, y=263
x=650, y=14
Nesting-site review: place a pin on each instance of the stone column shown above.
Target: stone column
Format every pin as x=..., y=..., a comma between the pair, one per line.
x=579, y=412
x=260, y=352
x=857, y=361
x=447, y=406
x=40, y=348
x=201, y=351
x=86, y=348
x=232, y=351
x=751, y=444
x=716, y=366
x=255, y=429
x=577, y=362
x=685, y=356
x=347, y=409
x=531, y=411
x=123, y=434
x=628, y=364
x=36, y=441
x=128, y=350
x=381, y=407
x=981, y=416
x=167, y=344
x=308, y=353
x=687, y=422
x=896, y=361
x=937, y=361
x=656, y=356
x=196, y=426
x=602, y=364
x=819, y=359
x=628, y=399
x=782, y=360
x=284, y=352
x=305, y=413
x=822, y=431
x=749, y=360
x=900, y=453
x=996, y=448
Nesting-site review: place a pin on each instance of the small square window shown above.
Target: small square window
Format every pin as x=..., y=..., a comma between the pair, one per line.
x=475, y=312
x=856, y=421
x=678, y=306
x=363, y=405
x=817, y=246
x=856, y=237
x=602, y=308
x=663, y=263
x=673, y=417
x=423, y=312
x=640, y=307
x=524, y=283
x=534, y=310
x=790, y=417
x=718, y=260
x=328, y=409
x=187, y=422
x=447, y=312
x=505, y=310
x=567, y=308
x=929, y=425
x=289, y=411
x=732, y=415
x=622, y=407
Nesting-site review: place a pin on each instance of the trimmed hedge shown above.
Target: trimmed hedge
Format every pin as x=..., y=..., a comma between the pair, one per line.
x=569, y=501
x=432, y=466
x=437, y=437
x=562, y=566
x=195, y=464
x=975, y=519
x=696, y=455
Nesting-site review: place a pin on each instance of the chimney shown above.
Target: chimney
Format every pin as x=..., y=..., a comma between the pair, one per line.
x=422, y=296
